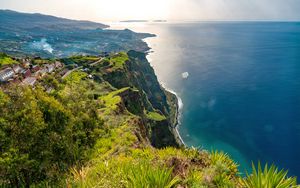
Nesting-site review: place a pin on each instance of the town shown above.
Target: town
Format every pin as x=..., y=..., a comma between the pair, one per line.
x=28, y=71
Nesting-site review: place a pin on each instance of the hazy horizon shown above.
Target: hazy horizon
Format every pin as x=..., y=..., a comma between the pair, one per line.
x=176, y=10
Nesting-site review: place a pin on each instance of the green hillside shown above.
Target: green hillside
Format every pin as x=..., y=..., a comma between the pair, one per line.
x=113, y=129
x=6, y=60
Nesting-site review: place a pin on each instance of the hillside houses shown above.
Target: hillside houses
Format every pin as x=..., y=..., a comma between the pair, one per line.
x=26, y=73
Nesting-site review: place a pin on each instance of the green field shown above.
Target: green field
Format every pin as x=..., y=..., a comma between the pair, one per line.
x=6, y=60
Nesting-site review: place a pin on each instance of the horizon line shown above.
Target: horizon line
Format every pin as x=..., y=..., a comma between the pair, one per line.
x=152, y=20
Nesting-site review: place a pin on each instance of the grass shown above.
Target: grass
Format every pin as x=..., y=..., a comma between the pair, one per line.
x=75, y=77
x=82, y=60
x=155, y=116
x=111, y=100
x=43, y=61
x=269, y=177
x=6, y=60
x=118, y=61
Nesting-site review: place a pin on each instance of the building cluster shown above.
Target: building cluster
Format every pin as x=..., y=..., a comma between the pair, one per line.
x=27, y=73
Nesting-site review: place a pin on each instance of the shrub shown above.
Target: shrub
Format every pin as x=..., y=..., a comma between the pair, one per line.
x=222, y=159
x=269, y=177
x=148, y=176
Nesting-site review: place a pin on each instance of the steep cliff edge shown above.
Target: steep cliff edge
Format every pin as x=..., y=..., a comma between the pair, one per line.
x=148, y=100
x=143, y=149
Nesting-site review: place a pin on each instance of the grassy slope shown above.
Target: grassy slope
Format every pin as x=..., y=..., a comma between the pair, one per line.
x=75, y=77
x=6, y=60
x=120, y=155
x=125, y=158
x=155, y=116
x=120, y=158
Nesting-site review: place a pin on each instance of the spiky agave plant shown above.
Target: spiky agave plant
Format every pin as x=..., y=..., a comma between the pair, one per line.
x=223, y=159
x=269, y=177
x=149, y=176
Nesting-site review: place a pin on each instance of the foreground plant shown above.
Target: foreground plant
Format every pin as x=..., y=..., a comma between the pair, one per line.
x=147, y=176
x=269, y=177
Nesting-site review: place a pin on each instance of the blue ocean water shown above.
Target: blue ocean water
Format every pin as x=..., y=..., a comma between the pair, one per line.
x=242, y=94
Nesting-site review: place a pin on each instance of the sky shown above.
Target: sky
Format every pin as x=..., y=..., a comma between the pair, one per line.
x=116, y=10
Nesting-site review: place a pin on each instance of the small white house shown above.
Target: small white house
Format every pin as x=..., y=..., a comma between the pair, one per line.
x=17, y=69
x=50, y=68
x=6, y=74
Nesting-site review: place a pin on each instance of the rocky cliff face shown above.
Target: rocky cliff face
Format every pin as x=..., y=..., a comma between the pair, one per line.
x=144, y=97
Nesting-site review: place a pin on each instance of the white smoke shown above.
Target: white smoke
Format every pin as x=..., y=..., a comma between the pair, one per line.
x=42, y=45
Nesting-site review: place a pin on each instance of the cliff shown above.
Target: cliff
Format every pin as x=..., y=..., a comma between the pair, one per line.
x=149, y=101
x=108, y=123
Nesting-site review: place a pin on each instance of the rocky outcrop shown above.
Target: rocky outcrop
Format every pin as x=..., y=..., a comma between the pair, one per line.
x=145, y=94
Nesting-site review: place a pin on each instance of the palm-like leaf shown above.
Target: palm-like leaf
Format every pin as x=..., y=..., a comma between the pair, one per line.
x=269, y=177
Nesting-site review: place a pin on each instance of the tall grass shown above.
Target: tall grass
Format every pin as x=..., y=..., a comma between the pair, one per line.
x=269, y=177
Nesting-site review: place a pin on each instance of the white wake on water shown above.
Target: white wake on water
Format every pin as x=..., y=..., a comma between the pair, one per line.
x=179, y=111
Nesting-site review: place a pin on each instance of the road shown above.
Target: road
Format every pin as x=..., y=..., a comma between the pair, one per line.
x=70, y=71
x=92, y=64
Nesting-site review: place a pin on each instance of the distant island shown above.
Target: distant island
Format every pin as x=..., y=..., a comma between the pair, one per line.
x=160, y=21
x=135, y=21
x=142, y=21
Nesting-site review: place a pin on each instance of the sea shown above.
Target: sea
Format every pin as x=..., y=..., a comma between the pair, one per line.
x=239, y=83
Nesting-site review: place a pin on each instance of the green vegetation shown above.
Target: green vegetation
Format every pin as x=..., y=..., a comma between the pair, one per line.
x=75, y=77
x=147, y=175
x=155, y=116
x=80, y=60
x=111, y=100
x=43, y=61
x=119, y=60
x=96, y=133
x=6, y=60
x=115, y=62
x=42, y=136
x=268, y=177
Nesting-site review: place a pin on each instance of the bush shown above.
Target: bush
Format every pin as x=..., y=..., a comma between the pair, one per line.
x=269, y=177
x=41, y=137
x=147, y=175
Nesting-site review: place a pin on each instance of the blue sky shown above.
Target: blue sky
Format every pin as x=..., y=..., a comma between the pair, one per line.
x=114, y=10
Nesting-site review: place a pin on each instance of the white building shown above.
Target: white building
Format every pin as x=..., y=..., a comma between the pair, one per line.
x=17, y=69
x=6, y=74
x=50, y=68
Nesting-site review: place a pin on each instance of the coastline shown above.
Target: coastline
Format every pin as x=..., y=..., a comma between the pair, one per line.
x=178, y=104
x=178, y=113
x=178, y=107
